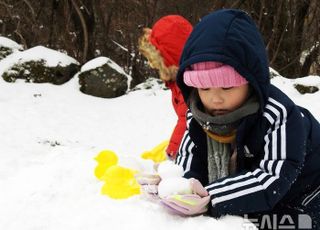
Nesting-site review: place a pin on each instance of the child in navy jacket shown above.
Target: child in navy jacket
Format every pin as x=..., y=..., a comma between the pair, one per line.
x=254, y=151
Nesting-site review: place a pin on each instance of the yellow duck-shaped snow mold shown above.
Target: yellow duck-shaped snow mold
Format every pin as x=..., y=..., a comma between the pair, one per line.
x=120, y=182
x=105, y=159
x=157, y=154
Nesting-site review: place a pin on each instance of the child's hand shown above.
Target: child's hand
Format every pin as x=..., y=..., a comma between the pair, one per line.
x=148, y=178
x=189, y=204
x=186, y=205
x=149, y=183
x=197, y=188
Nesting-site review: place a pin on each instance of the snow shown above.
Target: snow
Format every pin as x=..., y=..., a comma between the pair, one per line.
x=309, y=101
x=173, y=186
x=51, y=58
x=49, y=137
x=94, y=63
x=309, y=81
x=305, y=53
x=172, y=181
x=168, y=169
x=6, y=42
x=121, y=46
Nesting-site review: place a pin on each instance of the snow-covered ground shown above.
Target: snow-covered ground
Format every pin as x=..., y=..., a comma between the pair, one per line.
x=49, y=137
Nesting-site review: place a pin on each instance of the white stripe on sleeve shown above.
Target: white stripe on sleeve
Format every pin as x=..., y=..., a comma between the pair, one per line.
x=266, y=165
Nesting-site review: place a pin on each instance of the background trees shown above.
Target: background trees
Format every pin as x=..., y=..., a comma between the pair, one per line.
x=89, y=28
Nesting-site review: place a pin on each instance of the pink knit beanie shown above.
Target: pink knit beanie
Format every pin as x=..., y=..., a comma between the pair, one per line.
x=212, y=75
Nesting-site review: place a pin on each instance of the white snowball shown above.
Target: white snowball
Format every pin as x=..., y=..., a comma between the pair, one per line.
x=173, y=186
x=138, y=164
x=168, y=169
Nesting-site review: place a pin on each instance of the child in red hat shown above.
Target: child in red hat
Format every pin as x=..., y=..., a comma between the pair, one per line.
x=162, y=46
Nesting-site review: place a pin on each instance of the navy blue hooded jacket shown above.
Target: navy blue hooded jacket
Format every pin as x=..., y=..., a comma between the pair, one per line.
x=278, y=148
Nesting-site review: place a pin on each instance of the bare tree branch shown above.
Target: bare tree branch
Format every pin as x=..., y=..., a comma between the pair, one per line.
x=84, y=29
x=7, y=6
x=23, y=41
x=31, y=9
x=275, y=54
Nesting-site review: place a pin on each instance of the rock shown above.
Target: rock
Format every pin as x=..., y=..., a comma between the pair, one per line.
x=5, y=51
x=39, y=65
x=105, y=79
x=303, y=89
x=38, y=72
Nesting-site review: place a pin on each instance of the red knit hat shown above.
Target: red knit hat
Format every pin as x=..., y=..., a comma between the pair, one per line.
x=169, y=34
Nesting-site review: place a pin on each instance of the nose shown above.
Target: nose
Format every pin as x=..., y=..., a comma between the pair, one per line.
x=216, y=96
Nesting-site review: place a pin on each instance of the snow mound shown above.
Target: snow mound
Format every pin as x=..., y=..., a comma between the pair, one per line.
x=50, y=57
x=152, y=84
x=8, y=43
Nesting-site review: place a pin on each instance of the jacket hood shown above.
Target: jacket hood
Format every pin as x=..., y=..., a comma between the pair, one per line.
x=231, y=37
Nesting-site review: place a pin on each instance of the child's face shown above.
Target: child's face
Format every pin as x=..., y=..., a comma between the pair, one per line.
x=219, y=101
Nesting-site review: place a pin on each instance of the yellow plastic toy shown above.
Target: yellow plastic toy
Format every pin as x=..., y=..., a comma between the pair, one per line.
x=105, y=159
x=120, y=182
x=157, y=154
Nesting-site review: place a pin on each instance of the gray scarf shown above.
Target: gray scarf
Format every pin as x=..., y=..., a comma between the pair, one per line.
x=221, y=124
x=218, y=159
x=219, y=153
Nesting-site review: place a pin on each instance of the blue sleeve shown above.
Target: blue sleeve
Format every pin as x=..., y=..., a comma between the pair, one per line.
x=190, y=157
x=263, y=187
